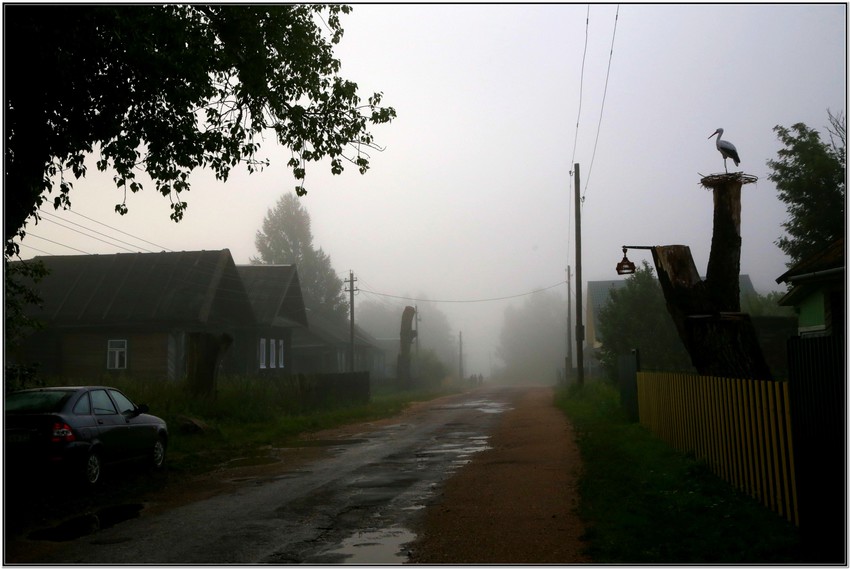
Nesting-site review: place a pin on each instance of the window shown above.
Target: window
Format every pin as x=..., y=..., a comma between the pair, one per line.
x=102, y=403
x=125, y=406
x=116, y=354
x=272, y=355
x=83, y=407
x=280, y=353
x=262, y=353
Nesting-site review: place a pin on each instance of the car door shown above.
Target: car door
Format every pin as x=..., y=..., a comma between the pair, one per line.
x=111, y=426
x=140, y=435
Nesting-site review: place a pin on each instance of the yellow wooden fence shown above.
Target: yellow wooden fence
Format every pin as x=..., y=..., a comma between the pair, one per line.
x=740, y=427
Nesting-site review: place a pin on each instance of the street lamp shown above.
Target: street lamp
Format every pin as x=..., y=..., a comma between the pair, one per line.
x=625, y=267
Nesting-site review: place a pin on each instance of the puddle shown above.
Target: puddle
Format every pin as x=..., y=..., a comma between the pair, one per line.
x=373, y=547
x=483, y=405
x=252, y=461
x=80, y=526
x=328, y=442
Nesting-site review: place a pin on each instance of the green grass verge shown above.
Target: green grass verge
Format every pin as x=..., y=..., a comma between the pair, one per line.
x=643, y=502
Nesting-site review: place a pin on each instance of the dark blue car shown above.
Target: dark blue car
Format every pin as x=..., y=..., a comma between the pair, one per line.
x=81, y=429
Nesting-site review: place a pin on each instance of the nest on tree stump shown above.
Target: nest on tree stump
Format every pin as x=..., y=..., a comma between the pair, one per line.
x=713, y=181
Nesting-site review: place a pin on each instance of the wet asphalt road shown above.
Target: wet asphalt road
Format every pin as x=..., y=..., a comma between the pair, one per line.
x=355, y=505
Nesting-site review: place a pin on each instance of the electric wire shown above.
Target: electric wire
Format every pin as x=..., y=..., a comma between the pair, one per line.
x=35, y=249
x=575, y=139
x=92, y=236
x=123, y=232
x=602, y=109
x=581, y=83
x=31, y=234
x=467, y=301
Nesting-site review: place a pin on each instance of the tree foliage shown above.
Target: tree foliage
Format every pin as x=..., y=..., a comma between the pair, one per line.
x=636, y=317
x=532, y=342
x=810, y=177
x=171, y=88
x=765, y=305
x=286, y=239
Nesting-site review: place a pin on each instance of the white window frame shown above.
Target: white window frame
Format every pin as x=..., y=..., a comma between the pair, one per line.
x=272, y=354
x=116, y=353
x=262, y=355
x=280, y=354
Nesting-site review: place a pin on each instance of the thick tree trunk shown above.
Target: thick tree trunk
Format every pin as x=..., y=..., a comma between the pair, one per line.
x=724, y=261
x=406, y=335
x=720, y=340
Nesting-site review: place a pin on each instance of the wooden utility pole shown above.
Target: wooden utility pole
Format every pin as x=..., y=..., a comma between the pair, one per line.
x=579, y=321
x=460, y=359
x=568, y=360
x=351, y=280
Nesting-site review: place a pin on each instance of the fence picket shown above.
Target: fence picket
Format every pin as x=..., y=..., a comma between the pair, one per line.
x=740, y=427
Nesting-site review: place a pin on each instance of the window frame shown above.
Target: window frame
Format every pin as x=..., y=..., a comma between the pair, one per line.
x=114, y=354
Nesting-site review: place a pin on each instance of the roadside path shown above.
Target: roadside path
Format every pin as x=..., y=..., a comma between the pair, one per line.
x=514, y=503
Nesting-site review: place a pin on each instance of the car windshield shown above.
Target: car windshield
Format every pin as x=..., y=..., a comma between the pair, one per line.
x=36, y=401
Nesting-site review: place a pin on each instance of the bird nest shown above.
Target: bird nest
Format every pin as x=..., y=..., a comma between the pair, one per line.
x=713, y=181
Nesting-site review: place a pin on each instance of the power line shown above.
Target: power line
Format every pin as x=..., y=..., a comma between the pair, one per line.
x=581, y=82
x=31, y=234
x=22, y=244
x=91, y=236
x=575, y=139
x=602, y=110
x=561, y=283
x=123, y=232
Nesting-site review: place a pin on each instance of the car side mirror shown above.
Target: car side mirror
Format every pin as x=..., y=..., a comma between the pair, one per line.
x=143, y=408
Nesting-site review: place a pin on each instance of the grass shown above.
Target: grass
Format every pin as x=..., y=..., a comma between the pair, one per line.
x=643, y=502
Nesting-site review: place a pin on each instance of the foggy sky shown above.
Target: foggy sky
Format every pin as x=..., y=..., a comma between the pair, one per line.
x=473, y=198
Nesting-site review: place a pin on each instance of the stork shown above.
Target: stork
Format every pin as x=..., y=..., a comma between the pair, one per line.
x=726, y=148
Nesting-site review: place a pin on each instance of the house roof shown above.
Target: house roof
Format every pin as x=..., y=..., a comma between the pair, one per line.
x=832, y=257
x=192, y=288
x=275, y=294
x=325, y=332
x=825, y=267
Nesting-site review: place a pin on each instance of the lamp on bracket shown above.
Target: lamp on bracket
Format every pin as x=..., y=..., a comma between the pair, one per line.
x=625, y=267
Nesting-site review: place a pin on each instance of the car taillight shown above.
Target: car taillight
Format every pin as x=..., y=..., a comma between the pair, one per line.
x=62, y=432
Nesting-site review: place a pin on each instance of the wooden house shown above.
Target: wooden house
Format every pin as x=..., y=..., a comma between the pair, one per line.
x=146, y=315
x=275, y=295
x=817, y=292
x=324, y=347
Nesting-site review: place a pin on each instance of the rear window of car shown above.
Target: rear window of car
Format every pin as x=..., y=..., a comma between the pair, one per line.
x=36, y=401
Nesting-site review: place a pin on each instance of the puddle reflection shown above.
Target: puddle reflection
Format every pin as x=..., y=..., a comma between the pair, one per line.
x=384, y=546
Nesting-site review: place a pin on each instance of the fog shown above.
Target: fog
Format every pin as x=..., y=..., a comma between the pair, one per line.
x=470, y=205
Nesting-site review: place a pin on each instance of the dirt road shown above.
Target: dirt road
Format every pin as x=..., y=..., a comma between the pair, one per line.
x=484, y=477
x=514, y=503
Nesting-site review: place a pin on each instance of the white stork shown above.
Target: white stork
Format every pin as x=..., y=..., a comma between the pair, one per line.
x=726, y=148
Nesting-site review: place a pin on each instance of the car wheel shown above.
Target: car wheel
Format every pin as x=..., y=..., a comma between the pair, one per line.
x=92, y=470
x=158, y=455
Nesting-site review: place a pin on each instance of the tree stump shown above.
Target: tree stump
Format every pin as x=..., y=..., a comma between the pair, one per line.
x=719, y=338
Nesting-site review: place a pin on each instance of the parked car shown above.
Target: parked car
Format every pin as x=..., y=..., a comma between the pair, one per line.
x=80, y=428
